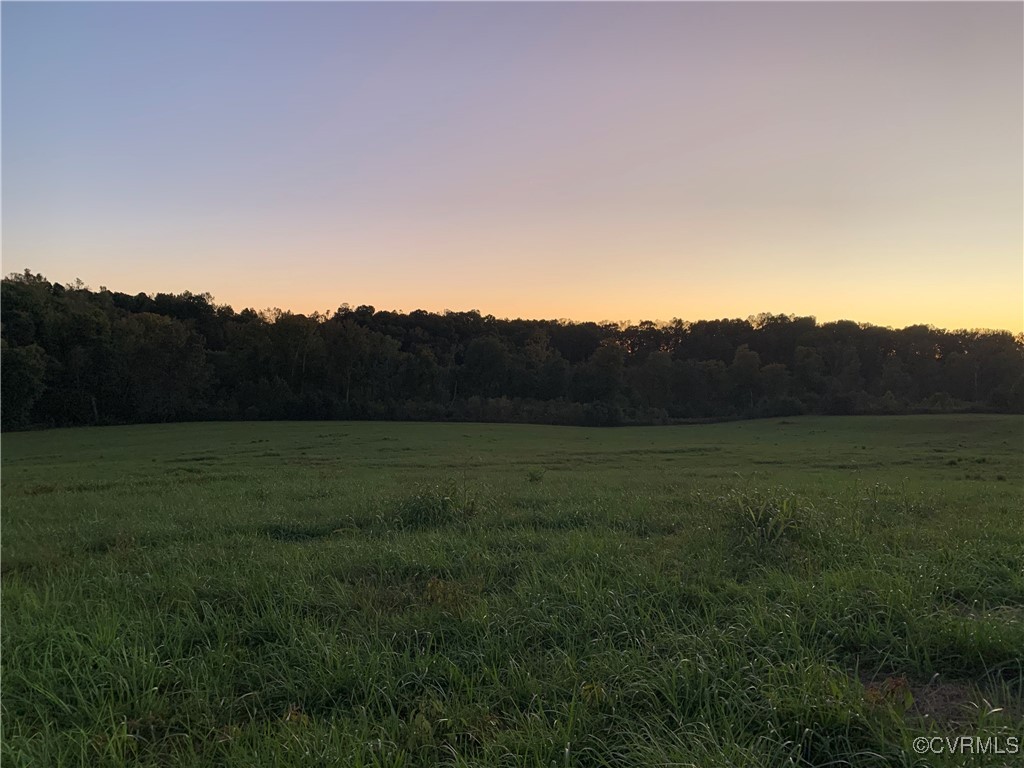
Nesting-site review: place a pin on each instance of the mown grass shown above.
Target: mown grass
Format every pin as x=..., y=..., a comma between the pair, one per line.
x=805, y=592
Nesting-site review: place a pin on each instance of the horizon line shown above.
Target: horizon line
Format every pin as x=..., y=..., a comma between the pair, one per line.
x=79, y=284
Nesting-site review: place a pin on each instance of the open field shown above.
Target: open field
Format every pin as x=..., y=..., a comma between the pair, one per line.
x=804, y=591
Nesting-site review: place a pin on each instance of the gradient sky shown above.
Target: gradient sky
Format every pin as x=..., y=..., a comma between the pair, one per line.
x=591, y=161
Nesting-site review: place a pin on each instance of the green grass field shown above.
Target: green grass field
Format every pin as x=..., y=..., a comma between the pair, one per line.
x=808, y=591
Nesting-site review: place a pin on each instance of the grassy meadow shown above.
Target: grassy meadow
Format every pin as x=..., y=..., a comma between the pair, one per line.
x=804, y=591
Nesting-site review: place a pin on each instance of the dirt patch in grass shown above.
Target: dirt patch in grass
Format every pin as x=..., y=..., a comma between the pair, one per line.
x=944, y=702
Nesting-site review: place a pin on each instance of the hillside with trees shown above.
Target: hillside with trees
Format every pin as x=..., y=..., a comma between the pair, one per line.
x=74, y=356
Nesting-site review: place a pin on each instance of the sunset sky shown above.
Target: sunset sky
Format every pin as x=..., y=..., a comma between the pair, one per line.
x=588, y=161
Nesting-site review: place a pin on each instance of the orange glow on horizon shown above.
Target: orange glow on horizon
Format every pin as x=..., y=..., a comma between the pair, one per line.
x=860, y=161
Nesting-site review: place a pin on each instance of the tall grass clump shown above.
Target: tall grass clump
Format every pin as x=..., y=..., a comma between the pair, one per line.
x=429, y=505
x=765, y=523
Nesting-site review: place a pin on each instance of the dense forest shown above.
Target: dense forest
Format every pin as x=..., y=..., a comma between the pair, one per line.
x=77, y=356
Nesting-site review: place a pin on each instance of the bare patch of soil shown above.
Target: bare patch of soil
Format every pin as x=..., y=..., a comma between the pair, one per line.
x=945, y=702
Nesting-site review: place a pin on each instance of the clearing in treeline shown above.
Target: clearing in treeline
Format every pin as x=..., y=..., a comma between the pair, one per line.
x=806, y=589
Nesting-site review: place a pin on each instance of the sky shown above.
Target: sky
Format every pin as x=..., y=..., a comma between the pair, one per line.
x=611, y=161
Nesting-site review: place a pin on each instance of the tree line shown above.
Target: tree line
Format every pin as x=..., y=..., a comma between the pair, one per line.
x=74, y=356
